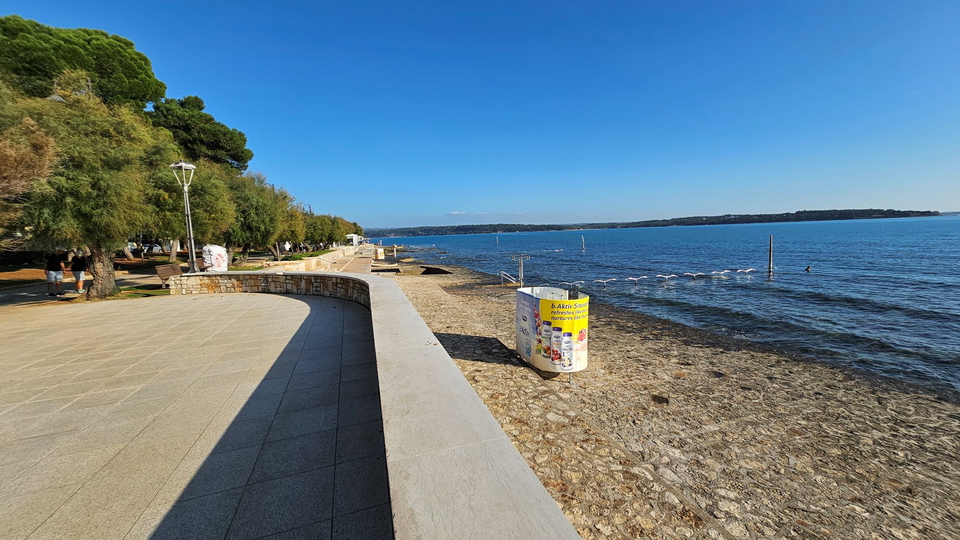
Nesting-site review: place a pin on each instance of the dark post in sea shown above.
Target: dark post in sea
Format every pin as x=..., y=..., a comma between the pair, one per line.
x=770, y=259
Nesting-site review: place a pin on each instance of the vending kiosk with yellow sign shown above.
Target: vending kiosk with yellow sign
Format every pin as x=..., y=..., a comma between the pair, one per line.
x=552, y=331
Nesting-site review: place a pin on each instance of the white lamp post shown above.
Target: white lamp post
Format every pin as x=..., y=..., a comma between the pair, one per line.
x=184, y=178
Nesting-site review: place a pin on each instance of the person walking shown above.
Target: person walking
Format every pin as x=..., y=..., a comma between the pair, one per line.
x=78, y=266
x=54, y=272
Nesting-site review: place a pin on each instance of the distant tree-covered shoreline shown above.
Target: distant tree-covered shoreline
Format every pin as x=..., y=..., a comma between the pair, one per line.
x=726, y=219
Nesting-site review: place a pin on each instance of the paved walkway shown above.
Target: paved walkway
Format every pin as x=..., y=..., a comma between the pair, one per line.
x=213, y=416
x=358, y=263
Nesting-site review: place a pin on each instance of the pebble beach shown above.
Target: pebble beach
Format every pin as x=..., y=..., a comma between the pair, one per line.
x=674, y=432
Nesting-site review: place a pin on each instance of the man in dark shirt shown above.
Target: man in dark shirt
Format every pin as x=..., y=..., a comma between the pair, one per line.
x=78, y=266
x=54, y=271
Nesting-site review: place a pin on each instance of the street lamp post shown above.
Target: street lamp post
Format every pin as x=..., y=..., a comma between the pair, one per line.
x=184, y=178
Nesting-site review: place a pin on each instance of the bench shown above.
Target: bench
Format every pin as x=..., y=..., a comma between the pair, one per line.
x=166, y=271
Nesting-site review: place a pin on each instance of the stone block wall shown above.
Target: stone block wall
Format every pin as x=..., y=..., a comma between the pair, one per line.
x=310, y=283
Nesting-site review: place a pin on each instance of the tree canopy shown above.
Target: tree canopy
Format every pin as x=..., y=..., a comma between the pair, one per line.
x=199, y=134
x=95, y=194
x=36, y=54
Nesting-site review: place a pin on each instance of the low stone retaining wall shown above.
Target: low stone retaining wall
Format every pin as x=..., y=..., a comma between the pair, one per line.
x=311, y=264
x=453, y=472
x=310, y=283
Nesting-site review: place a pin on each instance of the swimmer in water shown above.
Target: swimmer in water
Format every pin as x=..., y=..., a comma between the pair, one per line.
x=808, y=269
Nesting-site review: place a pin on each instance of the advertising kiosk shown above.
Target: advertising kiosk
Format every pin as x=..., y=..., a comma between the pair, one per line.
x=552, y=329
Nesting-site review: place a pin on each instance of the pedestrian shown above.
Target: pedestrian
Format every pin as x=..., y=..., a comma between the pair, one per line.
x=54, y=272
x=78, y=266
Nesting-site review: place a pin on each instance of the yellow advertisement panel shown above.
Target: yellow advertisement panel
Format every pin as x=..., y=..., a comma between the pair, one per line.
x=552, y=330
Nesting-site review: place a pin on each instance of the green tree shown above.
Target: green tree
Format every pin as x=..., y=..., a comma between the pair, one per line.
x=257, y=214
x=212, y=207
x=292, y=225
x=315, y=229
x=199, y=134
x=96, y=193
x=36, y=54
x=26, y=156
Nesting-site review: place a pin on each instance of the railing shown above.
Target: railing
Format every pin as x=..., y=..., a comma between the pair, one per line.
x=506, y=277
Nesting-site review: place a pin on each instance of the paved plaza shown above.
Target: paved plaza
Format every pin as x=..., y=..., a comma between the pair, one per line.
x=212, y=416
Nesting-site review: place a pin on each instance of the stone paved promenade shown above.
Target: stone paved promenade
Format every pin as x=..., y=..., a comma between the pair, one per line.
x=210, y=416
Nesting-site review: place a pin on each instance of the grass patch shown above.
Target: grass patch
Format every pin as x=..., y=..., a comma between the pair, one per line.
x=244, y=268
x=141, y=292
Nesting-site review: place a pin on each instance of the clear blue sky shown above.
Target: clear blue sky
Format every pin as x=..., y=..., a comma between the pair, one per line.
x=394, y=113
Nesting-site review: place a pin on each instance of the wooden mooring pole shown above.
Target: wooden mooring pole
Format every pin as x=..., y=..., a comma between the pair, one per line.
x=770, y=259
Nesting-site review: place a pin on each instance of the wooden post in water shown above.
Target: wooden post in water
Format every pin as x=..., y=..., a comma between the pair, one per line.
x=770, y=259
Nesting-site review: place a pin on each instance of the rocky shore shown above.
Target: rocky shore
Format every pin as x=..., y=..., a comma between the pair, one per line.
x=674, y=432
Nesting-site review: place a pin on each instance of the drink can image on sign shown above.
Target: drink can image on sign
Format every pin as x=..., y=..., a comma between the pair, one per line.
x=552, y=331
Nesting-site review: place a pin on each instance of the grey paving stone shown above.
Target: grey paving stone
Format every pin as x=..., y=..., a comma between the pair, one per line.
x=359, y=388
x=316, y=362
x=358, y=371
x=270, y=386
x=316, y=531
x=359, y=441
x=309, y=398
x=296, y=455
x=32, y=449
x=259, y=407
x=357, y=411
x=280, y=371
x=313, y=379
x=98, y=399
x=156, y=390
x=22, y=513
x=282, y=504
x=299, y=423
x=199, y=518
x=221, y=471
x=241, y=434
x=360, y=355
x=361, y=484
x=38, y=408
x=371, y=524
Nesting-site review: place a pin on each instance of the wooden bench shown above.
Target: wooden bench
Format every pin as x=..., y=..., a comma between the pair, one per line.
x=166, y=271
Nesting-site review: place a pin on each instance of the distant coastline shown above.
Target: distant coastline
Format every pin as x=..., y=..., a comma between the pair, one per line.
x=726, y=219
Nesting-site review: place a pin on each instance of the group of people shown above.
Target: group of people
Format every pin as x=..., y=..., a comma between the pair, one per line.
x=57, y=264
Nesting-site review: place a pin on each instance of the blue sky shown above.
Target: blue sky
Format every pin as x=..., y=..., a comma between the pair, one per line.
x=426, y=113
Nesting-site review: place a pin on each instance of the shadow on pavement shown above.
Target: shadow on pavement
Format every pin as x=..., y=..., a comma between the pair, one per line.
x=305, y=454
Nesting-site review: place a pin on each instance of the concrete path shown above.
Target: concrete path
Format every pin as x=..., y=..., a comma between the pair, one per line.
x=214, y=416
x=358, y=263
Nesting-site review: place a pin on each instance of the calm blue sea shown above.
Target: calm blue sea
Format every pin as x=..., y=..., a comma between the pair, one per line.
x=883, y=295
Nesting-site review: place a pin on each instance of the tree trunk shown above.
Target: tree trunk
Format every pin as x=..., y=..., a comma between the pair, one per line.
x=275, y=249
x=102, y=283
x=163, y=246
x=174, y=246
x=244, y=253
x=127, y=254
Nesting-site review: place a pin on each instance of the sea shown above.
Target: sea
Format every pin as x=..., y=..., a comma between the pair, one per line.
x=881, y=295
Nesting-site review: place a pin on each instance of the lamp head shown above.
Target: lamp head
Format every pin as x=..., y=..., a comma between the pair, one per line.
x=185, y=169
